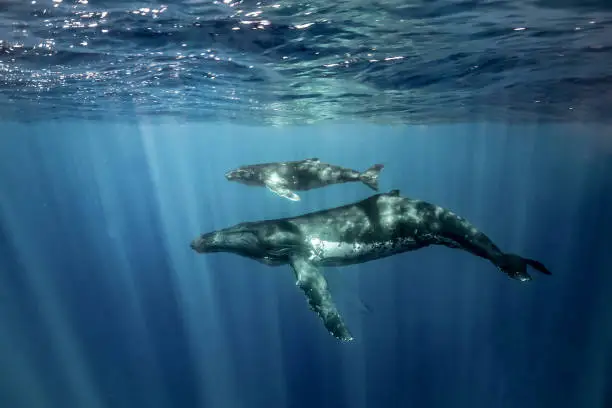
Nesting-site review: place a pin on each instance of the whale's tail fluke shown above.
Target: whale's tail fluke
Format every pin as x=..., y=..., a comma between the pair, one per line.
x=370, y=176
x=516, y=267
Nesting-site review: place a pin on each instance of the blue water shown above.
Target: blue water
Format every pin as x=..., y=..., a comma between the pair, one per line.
x=291, y=62
x=119, y=119
x=103, y=303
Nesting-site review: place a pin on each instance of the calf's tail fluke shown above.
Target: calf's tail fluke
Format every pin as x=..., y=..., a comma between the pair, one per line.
x=516, y=266
x=370, y=176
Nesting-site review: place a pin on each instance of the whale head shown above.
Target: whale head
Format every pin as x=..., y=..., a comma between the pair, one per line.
x=245, y=175
x=252, y=240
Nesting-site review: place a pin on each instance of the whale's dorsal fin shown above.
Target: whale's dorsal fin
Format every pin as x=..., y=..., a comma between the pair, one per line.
x=394, y=193
x=313, y=284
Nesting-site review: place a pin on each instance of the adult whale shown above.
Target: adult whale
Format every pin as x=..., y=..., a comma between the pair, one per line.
x=377, y=227
x=284, y=178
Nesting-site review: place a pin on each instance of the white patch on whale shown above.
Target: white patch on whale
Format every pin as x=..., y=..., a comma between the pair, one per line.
x=322, y=250
x=275, y=179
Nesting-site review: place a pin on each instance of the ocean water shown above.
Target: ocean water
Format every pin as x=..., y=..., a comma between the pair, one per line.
x=103, y=303
x=118, y=121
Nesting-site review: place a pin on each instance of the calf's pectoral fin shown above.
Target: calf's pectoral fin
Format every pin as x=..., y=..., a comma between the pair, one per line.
x=283, y=192
x=312, y=282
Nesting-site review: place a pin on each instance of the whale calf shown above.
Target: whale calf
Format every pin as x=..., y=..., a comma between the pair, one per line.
x=379, y=226
x=284, y=178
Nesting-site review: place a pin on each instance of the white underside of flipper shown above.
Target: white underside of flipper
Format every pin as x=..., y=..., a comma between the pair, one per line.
x=283, y=192
x=310, y=280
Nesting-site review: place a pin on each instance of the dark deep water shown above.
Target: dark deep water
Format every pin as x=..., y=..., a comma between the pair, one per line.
x=103, y=303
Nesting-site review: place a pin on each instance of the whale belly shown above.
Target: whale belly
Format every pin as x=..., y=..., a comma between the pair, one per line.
x=335, y=253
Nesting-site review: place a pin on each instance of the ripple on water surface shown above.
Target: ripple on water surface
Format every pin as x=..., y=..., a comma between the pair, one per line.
x=280, y=62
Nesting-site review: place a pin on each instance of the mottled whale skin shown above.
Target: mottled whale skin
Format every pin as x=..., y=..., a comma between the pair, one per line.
x=377, y=227
x=284, y=178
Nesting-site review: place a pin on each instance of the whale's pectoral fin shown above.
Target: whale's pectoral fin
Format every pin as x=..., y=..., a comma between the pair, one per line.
x=314, y=286
x=283, y=192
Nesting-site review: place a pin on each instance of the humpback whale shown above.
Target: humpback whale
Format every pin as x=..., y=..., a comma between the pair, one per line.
x=284, y=178
x=379, y=226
